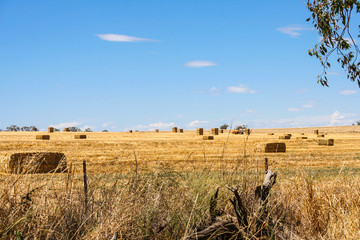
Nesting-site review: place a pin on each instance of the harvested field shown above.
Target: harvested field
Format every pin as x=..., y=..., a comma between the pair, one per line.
x=159, y=185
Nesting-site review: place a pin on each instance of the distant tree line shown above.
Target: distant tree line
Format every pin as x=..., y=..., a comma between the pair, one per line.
x=15, y=128
x=357, y=123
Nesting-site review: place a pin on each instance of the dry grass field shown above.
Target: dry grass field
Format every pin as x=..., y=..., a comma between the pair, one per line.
x=148, y=185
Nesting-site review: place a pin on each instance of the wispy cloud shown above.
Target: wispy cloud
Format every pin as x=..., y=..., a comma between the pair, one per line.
x=294, y=109
x=66, y=124
x=197, y=123
x=307, y=106
x=200, y=64
x=333, y=73
x=240, y=89
x=293, y=31
x=122, y=38
x=347, y=92
x=302, y=91
x=211, y=91
x=153, y=126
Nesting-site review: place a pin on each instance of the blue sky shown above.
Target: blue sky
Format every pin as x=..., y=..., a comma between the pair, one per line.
x=120, y=65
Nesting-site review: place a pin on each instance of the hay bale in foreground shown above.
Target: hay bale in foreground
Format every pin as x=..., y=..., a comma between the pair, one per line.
x=50, y=129
x=42, y=137
x=181, y=130
x=174, y=129
x=200, y=131
x=285, y=137
x=321, y=135
x=208, y=137
x=80, y=136
x=156, y=130
x=316, y=132
x=275, y=147
x=66, y=129
x=35, y=162
x=326, y=142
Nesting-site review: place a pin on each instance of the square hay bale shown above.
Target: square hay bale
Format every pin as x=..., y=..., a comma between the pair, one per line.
x=174, y=129
x=35, y=162
x=247, y=131
x=66, y=129
x=289, y=134
x=326, y=142
x=130, y=131
x=285, y=137
x=181, y=130
x=270, y=133
x=321, y=135
x=50, y=129
x=42, y=137
x=316, y=132
x=301, y=138
x=156, y=130
x=208, y=137
x=80, y=136
x=215, y=131
x=221, y=130
x=275, y=147
x=200, y=131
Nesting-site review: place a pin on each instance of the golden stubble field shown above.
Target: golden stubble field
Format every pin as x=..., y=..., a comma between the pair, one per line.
x=123, y=151
x=148, y=185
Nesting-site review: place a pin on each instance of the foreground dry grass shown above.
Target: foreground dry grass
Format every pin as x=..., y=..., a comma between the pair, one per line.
x=159, y=185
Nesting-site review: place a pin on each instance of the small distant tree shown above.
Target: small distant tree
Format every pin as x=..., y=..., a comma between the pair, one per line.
x=88, y=130
x=105, y=131
x=241, y=127
x=358, y=123
x=74, y=129
x=25, y=129
x=224, y=126
x=13, y=128
x=33, y=129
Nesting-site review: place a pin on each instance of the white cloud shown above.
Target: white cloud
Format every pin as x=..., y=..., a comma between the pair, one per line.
x=302, y=91
x=307, y=106
x=122, y=38
x=153, y=126
x=199, y=64
x=197, y=123
x=347, y=92
x=294, y=109
x=293, y=31
x=66, y=124
x=240, y=89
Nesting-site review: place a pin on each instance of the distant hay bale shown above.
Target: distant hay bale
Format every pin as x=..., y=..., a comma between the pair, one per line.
x=326, y=142
x=215, y=131
x=270, y=133
x=247, y=131
x=289, y=134
x=50, y=129
x=321, y=135
x=275, y=147
x=66, y=129
x=316, y=132
x=285, y=137
x=80, y=136
x=221, y=130
x=35, y=162
x=301, y=138
x=130, y=131
x=208, y=137
x=156, y=130
x=302, y=133
x=200, y=131
x=174, y=129
x=42, y=137
x=181, y=130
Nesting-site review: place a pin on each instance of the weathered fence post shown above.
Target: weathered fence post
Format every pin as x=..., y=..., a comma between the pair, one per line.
x=85, y=186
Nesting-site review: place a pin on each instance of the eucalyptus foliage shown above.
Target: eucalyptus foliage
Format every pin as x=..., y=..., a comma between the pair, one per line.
x=331, y=18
